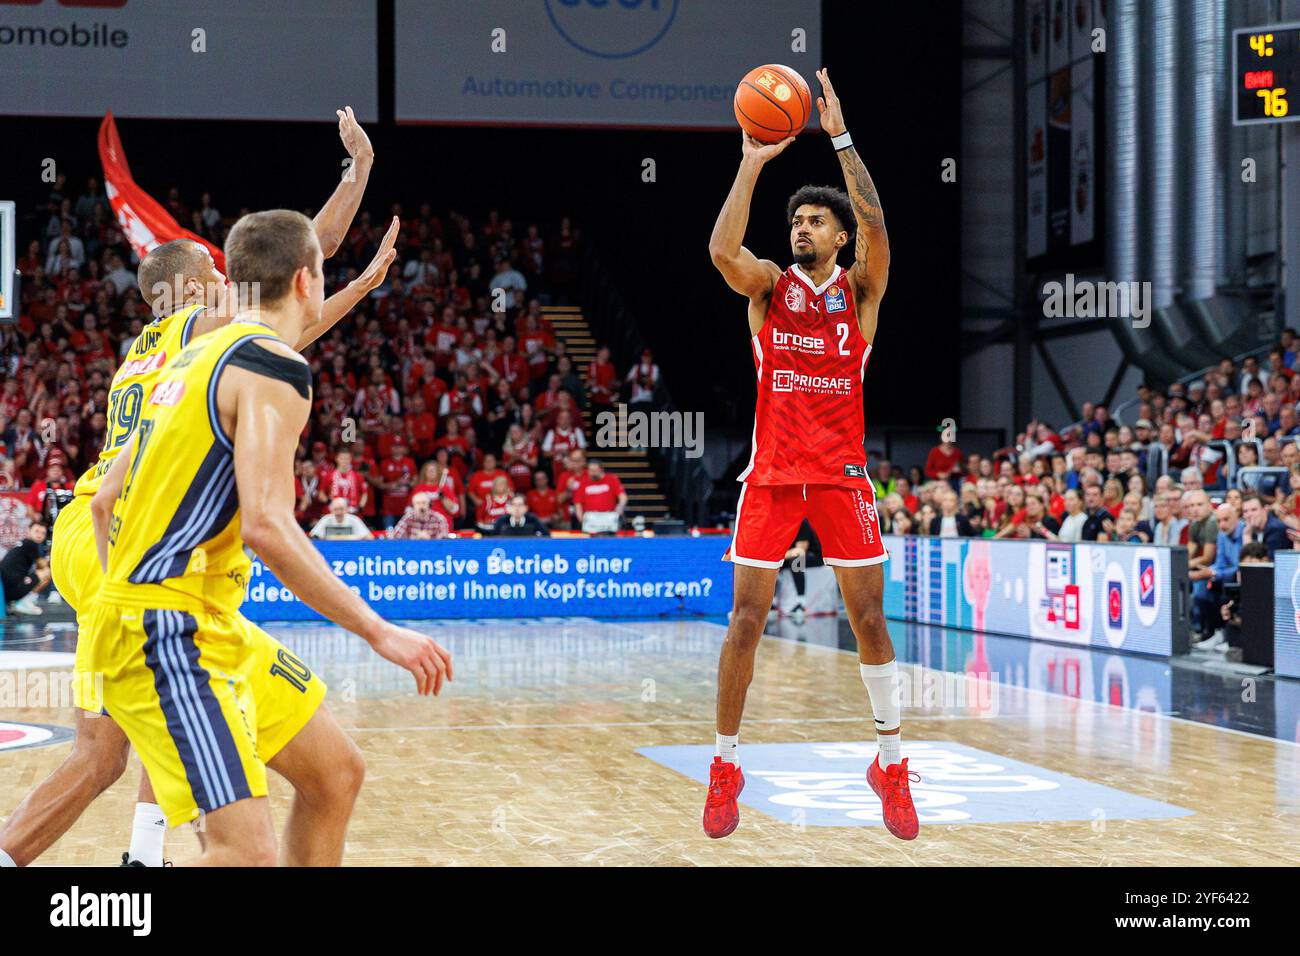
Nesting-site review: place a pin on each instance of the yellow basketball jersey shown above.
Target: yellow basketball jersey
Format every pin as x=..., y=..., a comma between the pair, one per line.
x=174, y=539
x=161, y=340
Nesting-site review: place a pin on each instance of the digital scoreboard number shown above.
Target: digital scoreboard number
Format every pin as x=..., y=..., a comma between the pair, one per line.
x=1266, y=74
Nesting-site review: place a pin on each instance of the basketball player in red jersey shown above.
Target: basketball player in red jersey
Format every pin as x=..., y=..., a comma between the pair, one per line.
x=812, y=327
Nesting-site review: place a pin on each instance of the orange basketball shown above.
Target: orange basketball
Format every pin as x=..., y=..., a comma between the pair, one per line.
x=772, y=102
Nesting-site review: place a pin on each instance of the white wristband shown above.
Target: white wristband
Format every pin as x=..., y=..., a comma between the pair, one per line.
x=842, y=141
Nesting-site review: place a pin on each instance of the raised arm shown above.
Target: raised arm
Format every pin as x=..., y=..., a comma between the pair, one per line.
x=265, y=410
x=870, y=270
x=341, y=303
x=336, y=215
x=745, y=272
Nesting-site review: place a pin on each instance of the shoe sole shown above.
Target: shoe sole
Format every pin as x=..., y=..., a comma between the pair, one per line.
x=902, y=836
x=735, y=823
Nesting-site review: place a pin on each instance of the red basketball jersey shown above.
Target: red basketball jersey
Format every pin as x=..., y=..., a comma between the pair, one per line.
x=810, y=357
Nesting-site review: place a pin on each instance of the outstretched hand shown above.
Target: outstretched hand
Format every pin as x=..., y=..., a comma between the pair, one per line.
x=761, y=151
x=375, y=273
x=828, y=105
x=355, y=140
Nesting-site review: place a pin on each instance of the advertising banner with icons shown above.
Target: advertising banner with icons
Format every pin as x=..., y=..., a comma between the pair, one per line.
x=1120, y=596
x=625, y=63
x=514, y=577
x=1286, y=613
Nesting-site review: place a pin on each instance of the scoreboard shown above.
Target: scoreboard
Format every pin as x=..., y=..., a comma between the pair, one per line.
x=1266, y=74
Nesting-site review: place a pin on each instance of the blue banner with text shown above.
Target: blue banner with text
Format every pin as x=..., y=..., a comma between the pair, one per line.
x=514, y=577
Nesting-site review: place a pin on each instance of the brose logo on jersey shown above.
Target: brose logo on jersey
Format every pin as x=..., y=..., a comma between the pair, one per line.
x=785, y=380
x=797, y=342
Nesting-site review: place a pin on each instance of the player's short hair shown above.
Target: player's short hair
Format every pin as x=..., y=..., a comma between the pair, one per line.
x=836, y=200
x=265, y=250
x=163, y=272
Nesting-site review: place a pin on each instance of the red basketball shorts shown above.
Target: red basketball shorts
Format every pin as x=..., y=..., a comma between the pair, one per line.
x=845, y=520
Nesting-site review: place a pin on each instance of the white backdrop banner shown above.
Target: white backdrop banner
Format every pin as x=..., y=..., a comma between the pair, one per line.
x=237, y=59
x=593, y=62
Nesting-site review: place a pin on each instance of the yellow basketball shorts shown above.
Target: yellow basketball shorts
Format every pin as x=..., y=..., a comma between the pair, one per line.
x=206, y=699
x=74, y=562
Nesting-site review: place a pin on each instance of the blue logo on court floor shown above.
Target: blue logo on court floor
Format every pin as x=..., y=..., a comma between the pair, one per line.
x=824, y=785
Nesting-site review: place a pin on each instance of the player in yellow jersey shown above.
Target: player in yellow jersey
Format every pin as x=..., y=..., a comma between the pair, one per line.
x=210, y=468
x=187, y=293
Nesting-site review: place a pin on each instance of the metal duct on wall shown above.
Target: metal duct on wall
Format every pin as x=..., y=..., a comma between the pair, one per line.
x=1140, y=346
x=1202, y=193
x=1122, y=163
x=1160, y=153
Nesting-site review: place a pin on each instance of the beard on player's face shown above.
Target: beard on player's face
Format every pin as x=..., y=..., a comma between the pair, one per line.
x=804, y=255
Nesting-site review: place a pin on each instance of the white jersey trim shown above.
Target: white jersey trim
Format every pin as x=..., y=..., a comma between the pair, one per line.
x=817, y=289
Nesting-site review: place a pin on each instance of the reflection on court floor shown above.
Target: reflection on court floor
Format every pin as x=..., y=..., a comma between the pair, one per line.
x=580, y=742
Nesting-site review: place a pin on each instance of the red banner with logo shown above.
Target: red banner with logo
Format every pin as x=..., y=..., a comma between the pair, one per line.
x=144, y=220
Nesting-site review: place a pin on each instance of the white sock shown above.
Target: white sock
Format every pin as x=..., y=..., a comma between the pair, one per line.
x=891, y=747
x=883, y=688
x=147, y=834
x=728, y=748
x=6, y=859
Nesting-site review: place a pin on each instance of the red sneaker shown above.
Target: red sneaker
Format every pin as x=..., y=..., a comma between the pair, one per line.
x=891, y=786
x=721, y=815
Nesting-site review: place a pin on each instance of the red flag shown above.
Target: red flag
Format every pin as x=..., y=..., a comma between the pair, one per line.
x=146, y=223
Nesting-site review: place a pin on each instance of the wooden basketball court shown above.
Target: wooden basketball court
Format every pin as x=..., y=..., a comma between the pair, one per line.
x=557, y=743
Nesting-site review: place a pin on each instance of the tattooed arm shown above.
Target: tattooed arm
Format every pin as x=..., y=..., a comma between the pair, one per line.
x=745, y=272
x=870, y=271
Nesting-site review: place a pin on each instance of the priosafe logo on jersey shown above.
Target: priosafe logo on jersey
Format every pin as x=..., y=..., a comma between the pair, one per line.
x=799, y=343
x=785, y=380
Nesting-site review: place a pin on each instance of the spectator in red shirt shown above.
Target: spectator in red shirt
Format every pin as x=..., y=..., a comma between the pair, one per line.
x=601, y=492
x=943, y=461
x=443, y=490
x=480, y=483
x=495, y=504
x=309, y=494
x=512, y=366
x=442, y=338
x=602, y=381
x=903, y=488
x=343, y=481
x=562, y=439
x=573, y=477
x=396, y=475
x=520, y=454
x=456, y=444
x=421, y=427
x=543, y=500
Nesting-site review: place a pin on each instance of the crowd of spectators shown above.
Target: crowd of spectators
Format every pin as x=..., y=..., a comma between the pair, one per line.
x=1213, y=466
x=444, y=401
